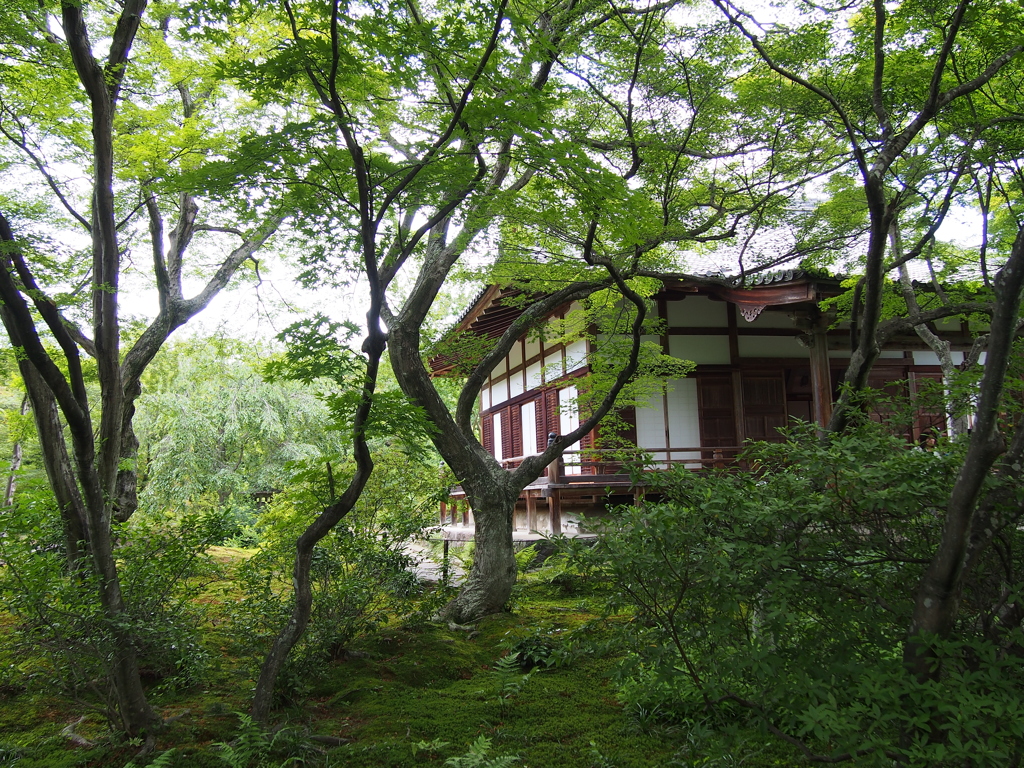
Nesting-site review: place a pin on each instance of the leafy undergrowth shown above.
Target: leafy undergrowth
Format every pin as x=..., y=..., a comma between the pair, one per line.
x=415, y=693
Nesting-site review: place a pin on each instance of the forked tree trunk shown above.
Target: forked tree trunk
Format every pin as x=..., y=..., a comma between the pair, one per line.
x=489, y=584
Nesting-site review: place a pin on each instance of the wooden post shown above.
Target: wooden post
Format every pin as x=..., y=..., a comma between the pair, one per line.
x=531, y=512
x=553, y=469
x=737, y=406
x=821, y=376
x=555, y=511
x=734, y=334
x=737, y=376
x=444, y=512
x=445, y=564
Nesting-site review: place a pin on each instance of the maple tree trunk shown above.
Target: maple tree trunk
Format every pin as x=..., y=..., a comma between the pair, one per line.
x=489, y=584
x=938, y=596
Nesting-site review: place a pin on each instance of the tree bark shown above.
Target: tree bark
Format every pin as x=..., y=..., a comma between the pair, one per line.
x=489, y=584
x=16, y=456
x=938, y=596
x=491, y=489
x=292, y=632
x=956, y=425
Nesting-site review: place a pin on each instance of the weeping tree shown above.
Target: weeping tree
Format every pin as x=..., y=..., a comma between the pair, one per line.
x=94, y=181
x=213, y=429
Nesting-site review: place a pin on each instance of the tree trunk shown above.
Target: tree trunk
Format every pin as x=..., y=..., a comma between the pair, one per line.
x=938, y=595
x=57, y=463
x=126, y=489
x=956, y=424
x=263, y=696
x=16, y=456
x=290, y=634
x=490, y=581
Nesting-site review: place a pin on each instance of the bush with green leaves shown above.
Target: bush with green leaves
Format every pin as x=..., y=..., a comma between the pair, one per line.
x=62, y=631
x=361, y=573
x=786, y=594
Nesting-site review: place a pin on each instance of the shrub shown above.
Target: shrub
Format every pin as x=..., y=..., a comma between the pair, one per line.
x=361, y=572
x=787, y=594
x=162, y=567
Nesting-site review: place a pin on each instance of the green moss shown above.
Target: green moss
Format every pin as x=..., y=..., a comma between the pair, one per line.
x=393, y=691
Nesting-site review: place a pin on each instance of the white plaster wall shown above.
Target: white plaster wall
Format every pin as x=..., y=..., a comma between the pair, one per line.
x=515, y=355
x=697, y=311
x=533, y=377
x=576, y=355
x=532, y=348
x=771, y=346
x=766, y=319
x=683, y=420
x=499, y=392
x=706, y=350
x=553, y=365
x=515, y=384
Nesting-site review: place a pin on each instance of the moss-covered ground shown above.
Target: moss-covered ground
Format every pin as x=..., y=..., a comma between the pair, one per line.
x=413, y=693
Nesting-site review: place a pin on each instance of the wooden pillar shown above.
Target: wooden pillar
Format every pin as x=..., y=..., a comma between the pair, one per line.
x=465, y=513
x=555, y=511
x=734, y=334
x=737, y=377
x=821, y=377
x=531, y=512
x=444, y=512
x=555, y=470
x=737, y=406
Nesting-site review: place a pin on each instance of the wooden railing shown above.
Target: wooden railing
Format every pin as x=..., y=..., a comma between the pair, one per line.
x=600, y=467
x=581, y=465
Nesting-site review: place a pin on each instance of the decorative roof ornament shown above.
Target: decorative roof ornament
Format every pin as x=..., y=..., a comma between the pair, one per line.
x=750, y=313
